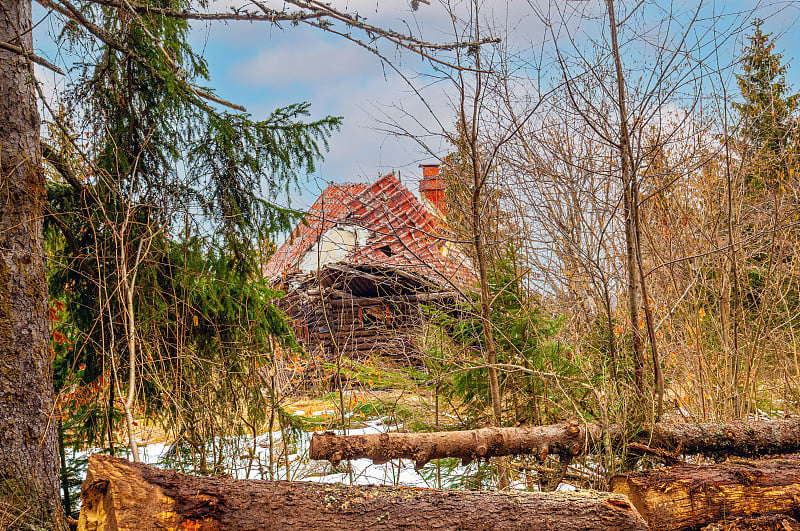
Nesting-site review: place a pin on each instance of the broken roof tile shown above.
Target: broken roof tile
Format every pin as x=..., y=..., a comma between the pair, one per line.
x=402, y=233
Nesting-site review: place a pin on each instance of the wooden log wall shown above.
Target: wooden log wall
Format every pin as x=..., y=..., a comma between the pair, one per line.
x=357, y=327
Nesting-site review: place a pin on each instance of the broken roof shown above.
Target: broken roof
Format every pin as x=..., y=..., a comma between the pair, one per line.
x=390, y=227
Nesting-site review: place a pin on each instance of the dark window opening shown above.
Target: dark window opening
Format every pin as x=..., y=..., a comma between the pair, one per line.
x=370, y=320
x=387, y=250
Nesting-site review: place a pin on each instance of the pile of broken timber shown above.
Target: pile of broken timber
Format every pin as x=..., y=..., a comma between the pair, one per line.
x=359, y=310
x=356, y=327
x=751, y=495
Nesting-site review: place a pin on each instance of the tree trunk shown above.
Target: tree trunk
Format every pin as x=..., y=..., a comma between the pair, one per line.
x=743, y=439
x=775, y=522
x=476, y=214
x=118, y=494
x=567, y=439
x=28, y=445
x=692, y=496
x=629, y=203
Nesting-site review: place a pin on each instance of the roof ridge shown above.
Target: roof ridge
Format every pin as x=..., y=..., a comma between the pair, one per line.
x=345, y=183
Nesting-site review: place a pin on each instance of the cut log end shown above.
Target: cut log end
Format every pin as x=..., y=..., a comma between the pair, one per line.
x=692, y=496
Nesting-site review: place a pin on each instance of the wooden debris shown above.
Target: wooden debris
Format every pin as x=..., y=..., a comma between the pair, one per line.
x=356, y=311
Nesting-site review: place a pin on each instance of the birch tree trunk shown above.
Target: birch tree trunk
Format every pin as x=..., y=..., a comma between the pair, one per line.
x=28, y=444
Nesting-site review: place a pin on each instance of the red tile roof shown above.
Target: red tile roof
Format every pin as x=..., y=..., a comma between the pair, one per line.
x=402, y=233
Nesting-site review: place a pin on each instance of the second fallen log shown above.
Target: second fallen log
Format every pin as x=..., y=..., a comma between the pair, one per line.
x=692, y=496
x=565, y=439
x=744, y=439
x=753, y=438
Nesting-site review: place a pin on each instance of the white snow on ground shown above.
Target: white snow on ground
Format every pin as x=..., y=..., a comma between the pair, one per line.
x=358, y=472
x=301, y=468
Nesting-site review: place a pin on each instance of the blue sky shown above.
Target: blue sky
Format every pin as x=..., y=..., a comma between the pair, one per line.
x=263, y=67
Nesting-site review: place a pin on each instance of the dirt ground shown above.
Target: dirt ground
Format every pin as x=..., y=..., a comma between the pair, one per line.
x=399, y=406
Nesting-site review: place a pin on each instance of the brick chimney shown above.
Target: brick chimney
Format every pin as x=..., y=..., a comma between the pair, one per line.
x=431, y=189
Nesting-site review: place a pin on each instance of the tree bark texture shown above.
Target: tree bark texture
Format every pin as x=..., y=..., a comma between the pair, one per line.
x=118, y=494
x=775, y=522
x=743, y=439
x=693, y=496
x=29, y=462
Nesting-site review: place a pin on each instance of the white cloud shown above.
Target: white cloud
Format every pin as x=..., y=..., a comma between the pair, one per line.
x=365, y=147
x=340, y=78
x=314, y=61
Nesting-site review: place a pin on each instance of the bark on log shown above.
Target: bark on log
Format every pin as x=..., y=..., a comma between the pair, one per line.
x=744, y=439
x=566, y=439
x=118, y=494
x=777, y=522
x=692, y=496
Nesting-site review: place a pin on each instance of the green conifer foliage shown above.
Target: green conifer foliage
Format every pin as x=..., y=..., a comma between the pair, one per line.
x=155, y=187
x=768, y=120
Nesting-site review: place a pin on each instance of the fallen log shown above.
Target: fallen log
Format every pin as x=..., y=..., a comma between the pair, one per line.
x=743, y=439
x=567, y=439
x=692, y=496
x=776, y=522
x=118, y=494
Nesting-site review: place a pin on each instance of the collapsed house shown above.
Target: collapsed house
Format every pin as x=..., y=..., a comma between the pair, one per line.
x=358, y=268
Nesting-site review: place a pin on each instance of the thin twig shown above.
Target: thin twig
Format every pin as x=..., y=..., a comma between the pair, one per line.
x=31, y=56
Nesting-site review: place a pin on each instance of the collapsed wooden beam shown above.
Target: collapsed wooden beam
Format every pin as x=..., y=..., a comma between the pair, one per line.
x=744, y=439
x=391, y=299
x=692, y=496
x=118, y=494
